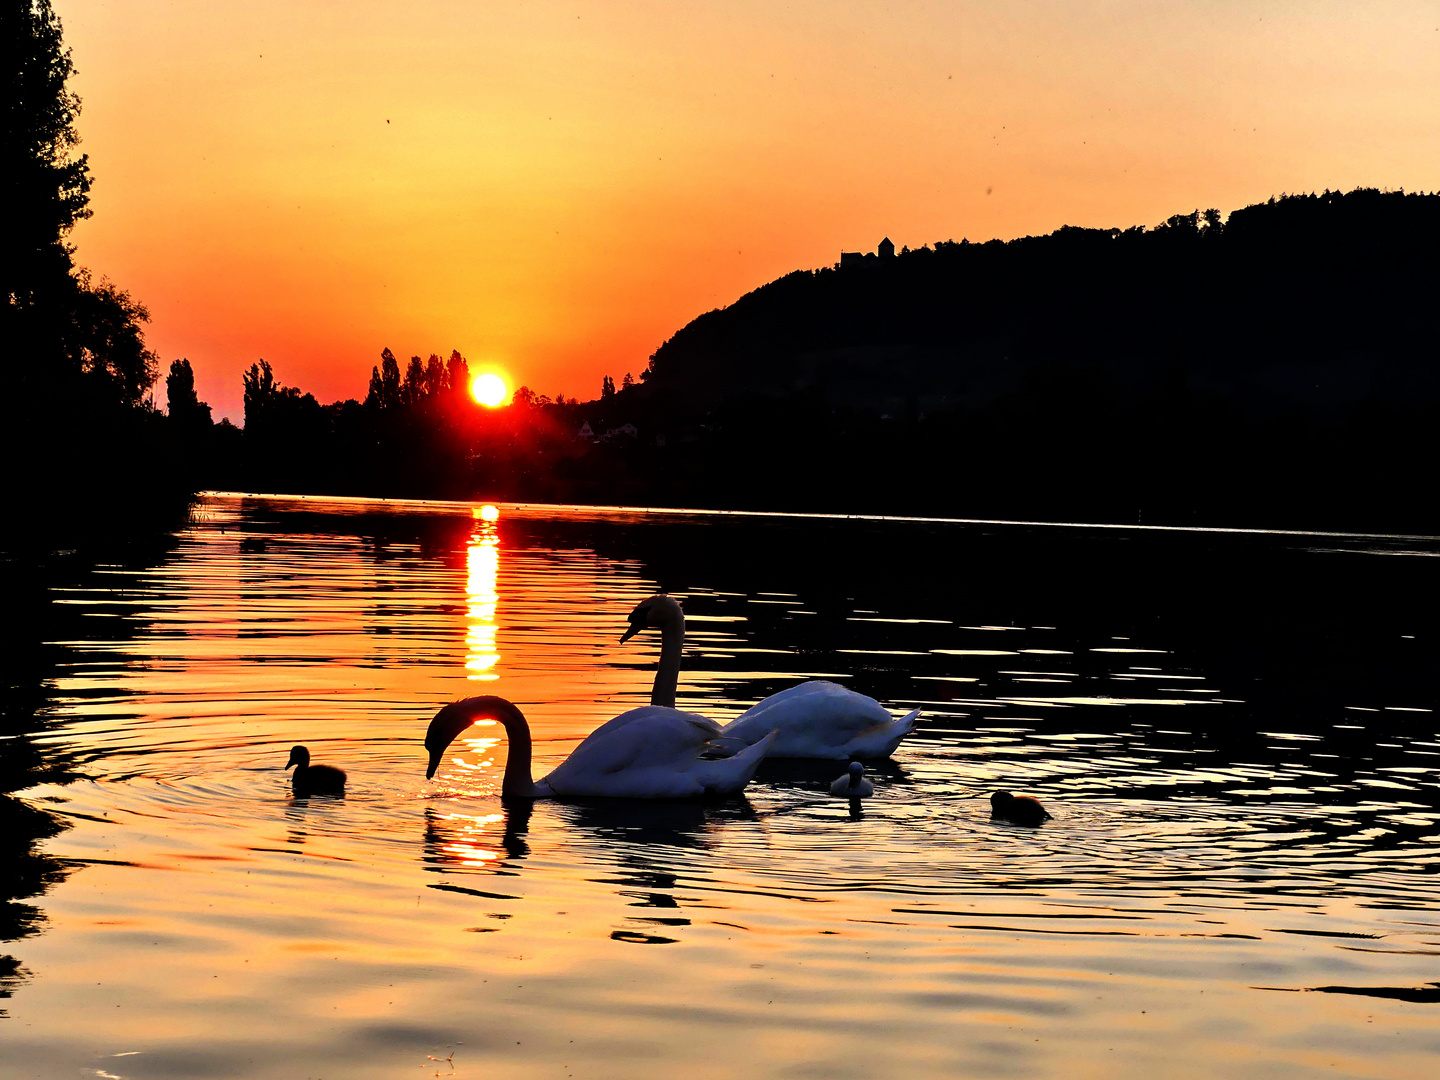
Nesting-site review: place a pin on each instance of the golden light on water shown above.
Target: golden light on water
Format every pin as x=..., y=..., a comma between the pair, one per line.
x=488, y=389
x=409, y=915
x=466, y=849
x=482, y=559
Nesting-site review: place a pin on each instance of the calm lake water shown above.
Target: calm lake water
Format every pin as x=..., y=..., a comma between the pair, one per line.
x=1235, y=733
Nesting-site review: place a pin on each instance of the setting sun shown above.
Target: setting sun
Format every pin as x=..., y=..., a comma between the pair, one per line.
x=489, y=390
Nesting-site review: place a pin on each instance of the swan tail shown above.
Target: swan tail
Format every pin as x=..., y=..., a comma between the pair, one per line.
x=880, y=741
x=728, y=776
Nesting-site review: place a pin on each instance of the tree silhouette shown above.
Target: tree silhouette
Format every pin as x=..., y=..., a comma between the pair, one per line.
x=40, y=176
x=80, y=340
x=184, y=405
x=458, y=372
x=436, y=377
x=261, y=391
x=414, y=388
x=607, y=387
x=269, y=405
x=389, y=380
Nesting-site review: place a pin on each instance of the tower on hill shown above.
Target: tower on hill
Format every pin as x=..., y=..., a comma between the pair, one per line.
x=884, y=250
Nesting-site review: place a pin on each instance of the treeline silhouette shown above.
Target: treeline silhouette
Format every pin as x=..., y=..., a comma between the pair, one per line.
x=80, y=440
x=1276, y=368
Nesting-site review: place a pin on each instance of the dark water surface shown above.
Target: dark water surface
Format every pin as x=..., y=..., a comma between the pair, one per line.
x=1234, y=731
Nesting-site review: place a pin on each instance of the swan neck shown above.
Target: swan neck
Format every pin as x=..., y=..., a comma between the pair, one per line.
x=518, y=782
x=667, y=674
x=450, y=721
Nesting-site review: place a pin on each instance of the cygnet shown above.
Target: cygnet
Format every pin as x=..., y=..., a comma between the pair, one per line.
x=853, y=784
x=1019, y=809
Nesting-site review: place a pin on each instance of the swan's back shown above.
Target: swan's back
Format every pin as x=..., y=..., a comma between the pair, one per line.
x=816, y=719
x=646, y=753
x=650, y=713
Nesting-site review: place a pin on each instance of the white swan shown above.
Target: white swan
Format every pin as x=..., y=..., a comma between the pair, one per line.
x=816, y=719
x=646, y=753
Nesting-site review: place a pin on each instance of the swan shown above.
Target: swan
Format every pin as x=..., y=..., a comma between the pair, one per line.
x=314, y=779
x=646, y=753
x=815, y=719
x=853, y=784
x=1018, y=809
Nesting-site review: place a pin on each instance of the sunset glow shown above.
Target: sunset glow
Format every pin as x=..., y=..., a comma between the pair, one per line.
x=488, y=389
x=898, y=486
x=569, y=185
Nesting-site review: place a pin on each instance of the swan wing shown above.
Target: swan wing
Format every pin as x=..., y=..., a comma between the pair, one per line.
x=648, y=713
x=816, y=719
x=647, y=753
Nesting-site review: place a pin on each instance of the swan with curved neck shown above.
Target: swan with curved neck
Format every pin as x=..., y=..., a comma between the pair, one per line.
x=646, y=753
x=814, y=719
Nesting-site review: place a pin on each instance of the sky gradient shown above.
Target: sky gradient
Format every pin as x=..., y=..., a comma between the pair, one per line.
x=554, y=189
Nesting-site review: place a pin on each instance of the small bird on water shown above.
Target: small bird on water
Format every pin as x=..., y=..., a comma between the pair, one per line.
x=853, y=784
x=1018, y=809
x=314, y=779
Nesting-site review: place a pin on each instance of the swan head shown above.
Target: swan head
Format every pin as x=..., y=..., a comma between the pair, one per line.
x=658, y=610
x=299, y=755
x=999, y=800
x=454, y=718
x=856, y=772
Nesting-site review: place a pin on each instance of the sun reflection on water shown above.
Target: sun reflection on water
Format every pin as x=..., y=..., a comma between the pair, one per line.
x=482, y=573
x=465, y=849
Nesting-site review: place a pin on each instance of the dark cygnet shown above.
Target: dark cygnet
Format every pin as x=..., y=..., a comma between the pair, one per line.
x=1019, y=809
x=314, y=779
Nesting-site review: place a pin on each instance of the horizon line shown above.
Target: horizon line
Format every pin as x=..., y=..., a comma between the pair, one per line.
x=822, y=516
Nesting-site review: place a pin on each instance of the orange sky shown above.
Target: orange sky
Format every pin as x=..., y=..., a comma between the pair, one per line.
x=554, y=188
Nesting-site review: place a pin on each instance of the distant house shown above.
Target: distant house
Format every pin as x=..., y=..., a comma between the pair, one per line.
x=885, y=250
x=624, y=431
x=586, y=432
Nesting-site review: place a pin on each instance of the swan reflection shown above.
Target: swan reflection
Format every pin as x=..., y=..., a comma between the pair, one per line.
x=676, y=824
x=641, y=850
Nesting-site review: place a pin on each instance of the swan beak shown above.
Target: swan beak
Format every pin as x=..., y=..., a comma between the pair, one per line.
x=635, y=628
x=434, y=763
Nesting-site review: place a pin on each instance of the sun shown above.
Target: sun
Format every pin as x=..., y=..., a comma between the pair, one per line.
x=489, y=390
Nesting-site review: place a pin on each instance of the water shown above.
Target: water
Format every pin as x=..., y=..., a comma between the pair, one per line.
x=1235, y=733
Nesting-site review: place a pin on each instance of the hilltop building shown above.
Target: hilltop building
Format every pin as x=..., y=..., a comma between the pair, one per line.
x=884, y=250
